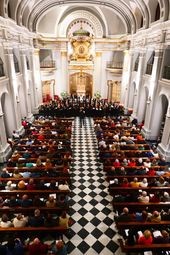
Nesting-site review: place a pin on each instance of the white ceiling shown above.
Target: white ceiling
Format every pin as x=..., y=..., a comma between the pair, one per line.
x=115, y=16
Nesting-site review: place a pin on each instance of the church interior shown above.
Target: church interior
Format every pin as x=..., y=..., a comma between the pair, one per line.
x=85, y=88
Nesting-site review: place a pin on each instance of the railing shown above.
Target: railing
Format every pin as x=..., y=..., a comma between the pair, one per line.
x=47, y=64
x=149, y=69
x=114, y=65
x=166, y=73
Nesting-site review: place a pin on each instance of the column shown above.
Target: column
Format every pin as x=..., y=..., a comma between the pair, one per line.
x=126, y=77
x=36, y=82
x=164, y=146
x=152, y=120
x=13, y=88
x=98, y=75
x=110, y=90
x=64, y=72
x=138, y=85
x=27, y=100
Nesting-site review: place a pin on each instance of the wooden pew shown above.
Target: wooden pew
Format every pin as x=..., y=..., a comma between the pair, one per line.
x=29, y=210
x=137, y=206
x=141, y=225
x=119, y=190
x=137, y=248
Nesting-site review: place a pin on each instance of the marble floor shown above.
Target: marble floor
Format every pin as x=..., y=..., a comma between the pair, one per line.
x=93, y=229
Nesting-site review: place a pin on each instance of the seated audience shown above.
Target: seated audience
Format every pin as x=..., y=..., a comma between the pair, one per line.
x=143, y=198
x=37, y=247
x=37, y=220
x=5, y=222
x=162, y=238
x=145, y=238
x=59, y=248
x=20, y=221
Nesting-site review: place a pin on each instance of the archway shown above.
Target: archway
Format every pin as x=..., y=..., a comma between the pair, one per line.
x=164, y=103
x=7, y=109
x=81, y=84
x=132, y=95
x=158, y=118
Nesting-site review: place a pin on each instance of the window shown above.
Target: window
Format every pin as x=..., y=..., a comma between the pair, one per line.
x=9, y=11
x=16, y=63
x=141, y=23
x=157, y=13
x=1, y=68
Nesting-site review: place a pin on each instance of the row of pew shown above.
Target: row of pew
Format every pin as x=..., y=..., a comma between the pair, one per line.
x=120, y=148
x=34, y=160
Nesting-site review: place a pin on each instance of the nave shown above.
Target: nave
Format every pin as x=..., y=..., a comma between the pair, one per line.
x=93, y=230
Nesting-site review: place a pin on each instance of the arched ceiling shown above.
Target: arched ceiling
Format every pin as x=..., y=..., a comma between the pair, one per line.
x=132, y=13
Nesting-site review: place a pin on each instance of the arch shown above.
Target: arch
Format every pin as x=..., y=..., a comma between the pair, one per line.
x=7, y=109
x=159, y=115
x=164, y=104
x=120, y=8
x=81, y=83
x=132, y=93
x=80, y=14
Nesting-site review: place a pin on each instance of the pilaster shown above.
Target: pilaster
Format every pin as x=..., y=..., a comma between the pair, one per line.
x=98, y=73
x=13, y=87
x=27, y=99
x=35, y=81
x=152, y=121
x=64, y=71
x=126, y=77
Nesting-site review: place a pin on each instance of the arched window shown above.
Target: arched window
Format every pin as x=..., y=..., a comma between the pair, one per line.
x=16, y=63
x=1, y=68
x=158, y=12
x=9, y=11
x=141, y=23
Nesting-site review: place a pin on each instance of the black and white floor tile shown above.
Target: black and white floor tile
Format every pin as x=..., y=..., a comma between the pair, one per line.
x=93, y=230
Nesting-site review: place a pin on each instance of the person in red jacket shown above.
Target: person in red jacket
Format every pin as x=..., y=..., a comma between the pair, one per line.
x=146, y=238
x=116, y=163
x=37, y=248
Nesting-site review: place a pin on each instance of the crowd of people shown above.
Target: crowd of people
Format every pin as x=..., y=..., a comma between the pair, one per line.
x=133, y=167
x=72, y=106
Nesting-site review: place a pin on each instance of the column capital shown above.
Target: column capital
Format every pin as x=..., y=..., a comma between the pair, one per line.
x=64, y=53
x=8, y=50
x=159, y=53
x=98, y=54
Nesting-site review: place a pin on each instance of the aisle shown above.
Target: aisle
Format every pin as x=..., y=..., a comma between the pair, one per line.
x=93, y=228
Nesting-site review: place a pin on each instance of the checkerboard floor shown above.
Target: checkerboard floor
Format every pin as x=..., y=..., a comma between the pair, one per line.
x=93, y=230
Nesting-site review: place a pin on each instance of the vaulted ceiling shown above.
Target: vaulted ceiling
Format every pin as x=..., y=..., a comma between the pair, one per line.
x=115, y=16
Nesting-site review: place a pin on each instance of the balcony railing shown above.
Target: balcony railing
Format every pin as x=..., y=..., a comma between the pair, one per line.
x=115, y=65
x=166, y=73
x=149, y=69
x=47, y=64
